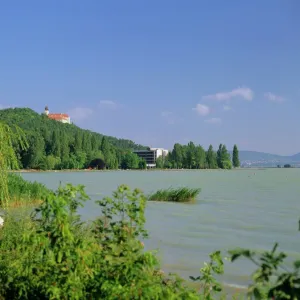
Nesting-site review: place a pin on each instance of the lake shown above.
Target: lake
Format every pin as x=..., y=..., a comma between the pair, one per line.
x=247, y=208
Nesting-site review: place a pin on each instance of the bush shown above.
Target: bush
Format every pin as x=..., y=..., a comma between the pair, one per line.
x=53, y=255
x=272, y=279
x=181, y=194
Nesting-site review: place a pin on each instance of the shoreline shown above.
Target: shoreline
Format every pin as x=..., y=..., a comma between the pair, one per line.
x=134, y=170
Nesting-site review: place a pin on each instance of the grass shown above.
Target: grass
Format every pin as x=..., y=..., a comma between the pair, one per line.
x=22, y=192
x=181, y=195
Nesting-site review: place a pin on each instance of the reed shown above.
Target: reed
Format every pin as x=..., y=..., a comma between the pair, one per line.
x=22, y=192
x=180, y=194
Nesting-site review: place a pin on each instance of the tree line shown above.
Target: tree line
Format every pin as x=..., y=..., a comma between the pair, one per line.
x=193, y=156
x=54, y=146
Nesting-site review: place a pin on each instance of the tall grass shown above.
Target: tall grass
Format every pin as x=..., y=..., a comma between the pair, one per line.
x=22, y=192
x=181, y=194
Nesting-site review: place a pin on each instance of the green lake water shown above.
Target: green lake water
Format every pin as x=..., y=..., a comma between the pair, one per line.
x=241, y=208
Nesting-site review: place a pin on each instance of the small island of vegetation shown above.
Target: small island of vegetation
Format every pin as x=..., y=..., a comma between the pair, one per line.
x=181, y=194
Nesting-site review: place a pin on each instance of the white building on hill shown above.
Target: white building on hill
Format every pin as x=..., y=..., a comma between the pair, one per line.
x=64, y=118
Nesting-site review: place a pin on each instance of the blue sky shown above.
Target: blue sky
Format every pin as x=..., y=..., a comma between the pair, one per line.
x=159, y=72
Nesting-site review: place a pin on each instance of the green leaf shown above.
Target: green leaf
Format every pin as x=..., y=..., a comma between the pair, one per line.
x=194, y=278
x=236, y=253
x=274, y=248
x=59, y=257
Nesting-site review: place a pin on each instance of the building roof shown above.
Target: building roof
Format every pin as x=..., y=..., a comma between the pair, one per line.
x=58, y=116
x=144, y=150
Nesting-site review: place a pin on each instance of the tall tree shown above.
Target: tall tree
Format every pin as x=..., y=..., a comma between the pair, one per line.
x=225, y=158
x=177, y=155
x=33, y=157
x=86, y=143
x=105, y=149
x=168, y=161
x=105, y=146
x=95, y=142
x=211, y=159
x=235, y=157
x=160, y=162
x=65, y=151
x=56, y=144
x=219, y=157
x=200, y=157
x=78, y=141
x=191, y=155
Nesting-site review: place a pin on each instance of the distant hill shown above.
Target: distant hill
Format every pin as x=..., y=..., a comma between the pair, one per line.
x=26, y=118
x=296, y=157
x=254, y=158
x=54, y=145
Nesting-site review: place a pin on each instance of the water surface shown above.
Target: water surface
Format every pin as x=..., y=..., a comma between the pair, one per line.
x=247, y=208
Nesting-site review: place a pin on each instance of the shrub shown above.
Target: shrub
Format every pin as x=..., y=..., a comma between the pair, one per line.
x=272, y=278
x=53, y=255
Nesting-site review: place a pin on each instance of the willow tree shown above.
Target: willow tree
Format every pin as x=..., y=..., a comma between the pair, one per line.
x=9, y=137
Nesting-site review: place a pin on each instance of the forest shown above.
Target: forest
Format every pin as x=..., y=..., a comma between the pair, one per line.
x=56, y=146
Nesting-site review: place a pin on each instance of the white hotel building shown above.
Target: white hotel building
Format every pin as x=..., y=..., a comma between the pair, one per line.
x=151, y=155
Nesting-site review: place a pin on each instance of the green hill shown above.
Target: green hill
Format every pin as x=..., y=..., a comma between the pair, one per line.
x=54, y=145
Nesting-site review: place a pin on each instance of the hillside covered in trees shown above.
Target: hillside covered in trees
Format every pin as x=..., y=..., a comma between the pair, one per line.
x=53, y=145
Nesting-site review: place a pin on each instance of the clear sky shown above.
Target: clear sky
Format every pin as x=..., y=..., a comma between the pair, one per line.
x=159, y=72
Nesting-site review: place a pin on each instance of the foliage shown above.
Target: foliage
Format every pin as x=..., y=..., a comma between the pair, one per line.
x=211, y=158
x=132, y=161
x=191, y=156
x=272, y=279
x=235, y=157
x=181, y=194
x=22, y=192
x=53, y=145
x=178, y=155
x=10, y=137
x=287, y=166
x=209, y=284
x=223, y=158
x=142, y=164
x=53, y=255
x=160, y=162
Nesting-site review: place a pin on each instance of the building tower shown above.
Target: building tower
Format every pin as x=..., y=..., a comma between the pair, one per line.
x=46, y=110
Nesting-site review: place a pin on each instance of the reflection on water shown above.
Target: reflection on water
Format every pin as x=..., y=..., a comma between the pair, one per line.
x=243, y=208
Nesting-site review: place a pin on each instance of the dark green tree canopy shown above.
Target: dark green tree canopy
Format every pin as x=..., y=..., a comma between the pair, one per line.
x=193, y=156
x=235, y=157
x=53, y=145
